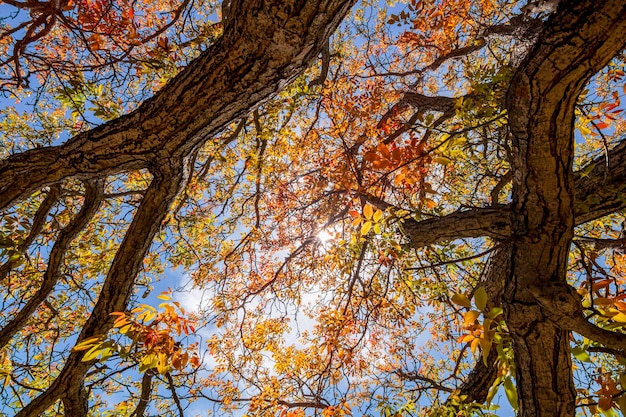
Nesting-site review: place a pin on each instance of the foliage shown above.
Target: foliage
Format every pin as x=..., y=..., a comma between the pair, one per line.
x=355, y=244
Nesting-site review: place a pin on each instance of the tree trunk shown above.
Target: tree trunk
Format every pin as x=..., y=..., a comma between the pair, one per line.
x=541, y=101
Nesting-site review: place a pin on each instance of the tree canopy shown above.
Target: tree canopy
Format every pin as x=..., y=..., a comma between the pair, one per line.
x=322, y=207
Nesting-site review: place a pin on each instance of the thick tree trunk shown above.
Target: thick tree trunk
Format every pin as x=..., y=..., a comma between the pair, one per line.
x=541, y=102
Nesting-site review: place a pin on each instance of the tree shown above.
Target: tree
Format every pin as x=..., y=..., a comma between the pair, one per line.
x=437, y=200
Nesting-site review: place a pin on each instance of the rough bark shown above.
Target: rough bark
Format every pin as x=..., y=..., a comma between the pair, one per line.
x=117, y=287
x=540, y=102
x=265, y=46
x=598, y=192
x=548, y=201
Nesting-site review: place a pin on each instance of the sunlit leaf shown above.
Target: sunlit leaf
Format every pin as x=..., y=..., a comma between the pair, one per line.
x=511, y=392
x=461, y=300
x=480, y=298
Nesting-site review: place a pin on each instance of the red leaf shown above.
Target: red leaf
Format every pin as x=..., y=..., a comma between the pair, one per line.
x=353, y=213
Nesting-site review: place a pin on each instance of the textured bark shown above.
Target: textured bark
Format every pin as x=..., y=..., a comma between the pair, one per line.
x=265, y=46
x=564, y=305
x=548, y=201
x=600, y=191
x=540, y=102
x=117, y=287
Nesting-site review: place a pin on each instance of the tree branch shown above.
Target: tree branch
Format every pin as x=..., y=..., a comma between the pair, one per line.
x=265, y=46
x=117, y=288
x=144, y=399
x=39, y=220
x=94, y=194
x=563, y=305
x=598, y=192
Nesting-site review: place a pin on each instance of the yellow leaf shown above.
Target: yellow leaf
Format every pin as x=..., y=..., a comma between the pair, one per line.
x=366, y=228
x=620, y=317
x=148, y=362
x=584, y=130
x=96, y=351
x=87, y=343
x=162, y=363
x=461, y=300
x=442, y=160
x=470, y=317
x=125, y=329
x=474, y=344
x=378, y=215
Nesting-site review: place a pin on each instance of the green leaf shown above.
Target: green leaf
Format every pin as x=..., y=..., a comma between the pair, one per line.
x=511, y=392
x=495, y=312
x=581, y=354
x=480, y=298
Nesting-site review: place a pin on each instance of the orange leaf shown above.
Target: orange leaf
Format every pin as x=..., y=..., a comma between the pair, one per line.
x=430, y=203
x=368, y=210
x=380, y=164
x=382, y=148
x=397, y=154
x=370, y=156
